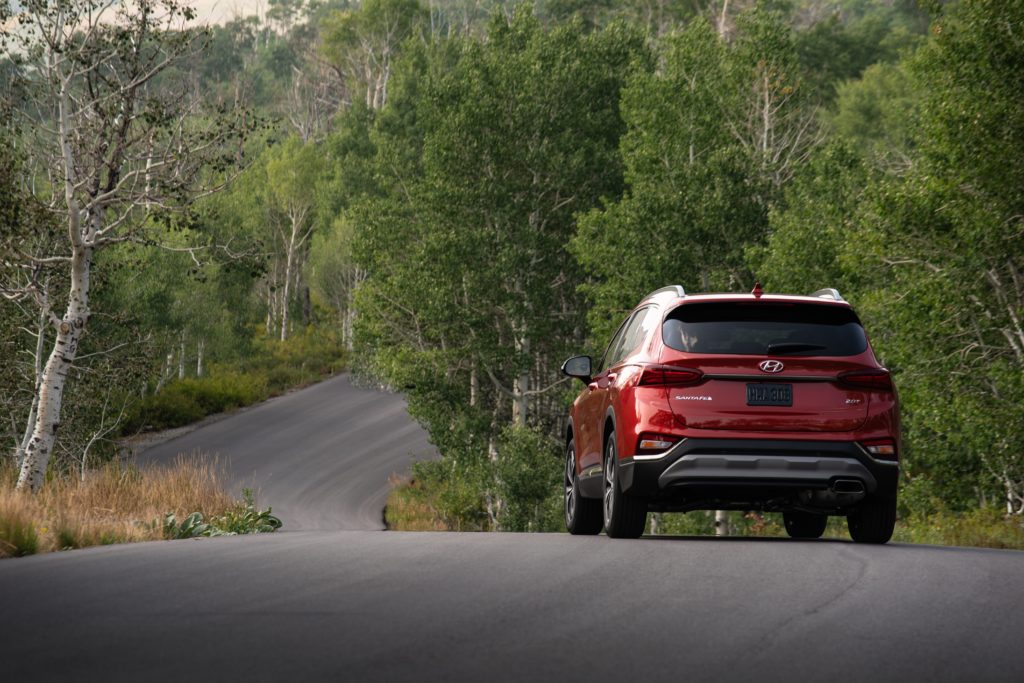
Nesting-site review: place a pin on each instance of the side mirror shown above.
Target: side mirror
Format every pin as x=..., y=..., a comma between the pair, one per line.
x=578, y=367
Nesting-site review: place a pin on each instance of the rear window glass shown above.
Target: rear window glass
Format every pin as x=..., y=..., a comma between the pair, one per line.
x=765, y=329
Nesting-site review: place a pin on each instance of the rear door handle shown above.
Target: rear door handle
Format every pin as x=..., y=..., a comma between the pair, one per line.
x=611, y=377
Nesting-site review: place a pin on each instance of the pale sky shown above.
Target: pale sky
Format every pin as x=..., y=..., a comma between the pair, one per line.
x=221, y=11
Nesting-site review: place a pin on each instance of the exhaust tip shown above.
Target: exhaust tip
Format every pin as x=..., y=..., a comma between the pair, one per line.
x=848, y=486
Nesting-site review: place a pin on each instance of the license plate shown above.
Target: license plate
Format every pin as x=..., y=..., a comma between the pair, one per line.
x=769, y=394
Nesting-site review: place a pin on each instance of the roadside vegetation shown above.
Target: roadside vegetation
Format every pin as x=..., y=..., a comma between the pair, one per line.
x=275, y=368
x=452, y=199
x=119, y=504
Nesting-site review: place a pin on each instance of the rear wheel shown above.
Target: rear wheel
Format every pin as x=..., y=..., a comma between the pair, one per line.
x=873, y=521
x=582, y=515
x=624, y=516
x=801, y=524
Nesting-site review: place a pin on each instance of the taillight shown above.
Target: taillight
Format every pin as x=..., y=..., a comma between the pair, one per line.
x=882, y=448
x=867, y=379
x=669, y=375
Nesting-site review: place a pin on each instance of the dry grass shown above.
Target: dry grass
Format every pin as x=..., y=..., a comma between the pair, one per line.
x=408, y=510
x=115, y=504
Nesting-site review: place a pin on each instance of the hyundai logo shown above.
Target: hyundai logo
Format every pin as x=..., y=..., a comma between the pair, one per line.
x=771, y=365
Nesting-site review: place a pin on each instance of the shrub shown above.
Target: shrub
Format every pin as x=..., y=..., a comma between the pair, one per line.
x=170, y=408
x=438, y=496
x=528, y=480
x=243, y=518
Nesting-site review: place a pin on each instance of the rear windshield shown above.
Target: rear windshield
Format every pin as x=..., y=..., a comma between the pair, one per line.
x=764, y=328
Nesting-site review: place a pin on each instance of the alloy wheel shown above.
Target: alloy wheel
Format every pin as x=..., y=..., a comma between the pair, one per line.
x=609, y=484
x=570, y=485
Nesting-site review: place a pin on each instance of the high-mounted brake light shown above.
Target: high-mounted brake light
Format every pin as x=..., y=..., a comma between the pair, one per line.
x=669, y=375
x=867, y=379
x=883, y=448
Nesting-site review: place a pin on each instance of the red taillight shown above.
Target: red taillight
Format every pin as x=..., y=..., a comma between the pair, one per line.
x=867, y=379
x=669, y=375
x=881, y=448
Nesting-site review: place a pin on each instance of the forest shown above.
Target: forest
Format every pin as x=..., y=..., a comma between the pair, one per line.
x=449, y=198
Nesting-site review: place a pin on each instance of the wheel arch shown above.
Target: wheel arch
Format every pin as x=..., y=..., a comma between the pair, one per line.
x=609, y=427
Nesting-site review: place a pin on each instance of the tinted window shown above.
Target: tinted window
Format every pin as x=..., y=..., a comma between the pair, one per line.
x=640, y=325
x=609, y=354
x=630, y=335
x=765, y=329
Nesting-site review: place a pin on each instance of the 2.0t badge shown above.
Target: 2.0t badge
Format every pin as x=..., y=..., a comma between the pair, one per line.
x=771, y=366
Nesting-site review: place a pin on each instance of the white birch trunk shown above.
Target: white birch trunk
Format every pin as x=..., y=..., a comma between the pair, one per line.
x=200, y=348
x=44, y=315
x=521, y=385
x=54, y=375
x=168, y=367
x=181, y=357
x=721, y=523
x=286, y=294
x=474, y=387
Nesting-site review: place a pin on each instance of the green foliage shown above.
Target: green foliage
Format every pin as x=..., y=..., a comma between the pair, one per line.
x=932, y=256
x=245, y=518
x=470, y=285
x=878, y=114
x=979, y=528
x=807, y=240
x=273, y=368
x=528, y=471
x=871, y=36
x=701, y=169
x=450, y=493
x=185, y=401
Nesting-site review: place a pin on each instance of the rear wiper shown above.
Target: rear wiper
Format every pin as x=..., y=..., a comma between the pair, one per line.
x=792, y=347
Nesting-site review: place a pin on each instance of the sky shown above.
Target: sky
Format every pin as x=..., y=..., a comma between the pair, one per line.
x=211, y=11
x=221, y=11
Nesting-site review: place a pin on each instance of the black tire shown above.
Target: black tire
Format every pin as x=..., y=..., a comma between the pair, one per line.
x=873, y=521
x=582, y=515
x=801, y=524
x=624, y=516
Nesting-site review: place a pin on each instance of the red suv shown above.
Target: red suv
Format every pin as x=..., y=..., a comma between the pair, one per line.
x=734, y=402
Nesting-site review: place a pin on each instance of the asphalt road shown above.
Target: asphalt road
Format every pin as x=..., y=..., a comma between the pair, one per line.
x=373, y=606
x=320, y=457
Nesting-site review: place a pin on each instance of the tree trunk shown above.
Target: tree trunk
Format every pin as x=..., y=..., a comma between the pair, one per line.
x=348, y=324
x=307, y=308
x=168, y=368
x=181, y=357
x=721, y=523
x=54, y=375
x=289, y=264
x=474, y=387
x=44, y=315
x=521, y=385
x=200, y=348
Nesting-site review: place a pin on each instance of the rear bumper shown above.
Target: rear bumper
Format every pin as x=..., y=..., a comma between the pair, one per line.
x=776, y=463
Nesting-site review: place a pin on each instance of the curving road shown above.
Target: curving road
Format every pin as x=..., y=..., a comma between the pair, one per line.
x=371, y=606
x=320, y=457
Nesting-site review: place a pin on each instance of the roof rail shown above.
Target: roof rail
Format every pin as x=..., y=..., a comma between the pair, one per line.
x=674, y=289
x=828, y=293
